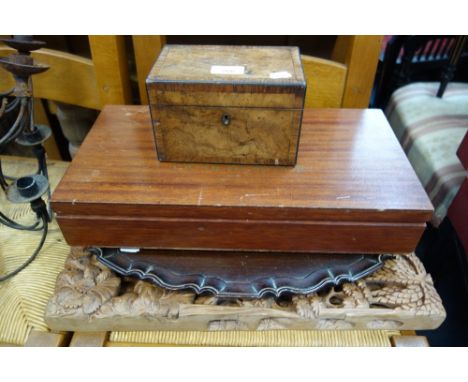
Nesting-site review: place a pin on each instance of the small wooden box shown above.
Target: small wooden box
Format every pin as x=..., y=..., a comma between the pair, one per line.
x=227, y=104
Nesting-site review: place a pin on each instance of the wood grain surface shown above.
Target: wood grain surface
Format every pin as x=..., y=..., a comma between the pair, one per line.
x=253, y=136
x=353, y=190
x=111, y=68
x=193, y=63
x=70, y=79
x=240, y=274
x=247, y=111
x=147, y=49
x=360, y=54
x=37, y=338
x=325, y=82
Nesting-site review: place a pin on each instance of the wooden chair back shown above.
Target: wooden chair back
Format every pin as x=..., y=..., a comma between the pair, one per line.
x=325, y=82
x=344, y=81
x=419, y=58
x=71, y=79
x=75, y=80
x=79, y=81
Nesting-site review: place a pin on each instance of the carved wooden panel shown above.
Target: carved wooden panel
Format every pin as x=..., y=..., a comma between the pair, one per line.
x=89, y=297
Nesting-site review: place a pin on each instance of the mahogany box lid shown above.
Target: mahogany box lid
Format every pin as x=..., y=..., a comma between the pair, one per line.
x=352, y=191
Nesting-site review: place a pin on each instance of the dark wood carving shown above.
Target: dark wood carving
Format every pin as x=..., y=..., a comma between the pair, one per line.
x=240, y=274
x=352, y=191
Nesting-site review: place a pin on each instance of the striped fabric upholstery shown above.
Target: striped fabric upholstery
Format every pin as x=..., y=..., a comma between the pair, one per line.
x=430, y=129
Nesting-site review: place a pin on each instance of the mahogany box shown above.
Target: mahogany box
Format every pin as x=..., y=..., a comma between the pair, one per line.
x=352, y=191
x=227, y=104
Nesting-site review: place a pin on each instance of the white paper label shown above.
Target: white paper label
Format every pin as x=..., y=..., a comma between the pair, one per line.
x=129, y=250
x=227, y=69
x=282, y=74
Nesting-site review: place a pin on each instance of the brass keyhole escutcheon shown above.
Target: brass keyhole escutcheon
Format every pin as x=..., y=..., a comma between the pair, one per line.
x=226, y=119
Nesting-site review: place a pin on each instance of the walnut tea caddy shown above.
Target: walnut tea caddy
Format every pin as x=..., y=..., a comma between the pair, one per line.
x=227, y=104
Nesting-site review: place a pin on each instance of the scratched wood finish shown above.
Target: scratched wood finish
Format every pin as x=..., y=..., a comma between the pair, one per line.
x=251, y=117
x=192, y=63
x=352, y=190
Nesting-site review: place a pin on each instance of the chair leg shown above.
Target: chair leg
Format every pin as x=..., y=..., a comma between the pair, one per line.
x=89, y=339
x=449, y=71
x=47, y=339
x=409, y=341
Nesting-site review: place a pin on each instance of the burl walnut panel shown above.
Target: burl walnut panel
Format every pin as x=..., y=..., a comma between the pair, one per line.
x=266, y=136
x=353, y=190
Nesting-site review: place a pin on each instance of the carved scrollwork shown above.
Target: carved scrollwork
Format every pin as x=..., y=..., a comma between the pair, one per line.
x=401, y=284
x=400, y=295
x=404, y=284
x=84, y=285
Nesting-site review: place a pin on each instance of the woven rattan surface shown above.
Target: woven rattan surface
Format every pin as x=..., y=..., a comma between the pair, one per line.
x=23, y=298
x=251, y=338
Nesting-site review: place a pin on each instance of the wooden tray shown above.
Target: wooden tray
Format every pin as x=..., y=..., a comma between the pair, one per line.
x=240, y=274
x=352, y=191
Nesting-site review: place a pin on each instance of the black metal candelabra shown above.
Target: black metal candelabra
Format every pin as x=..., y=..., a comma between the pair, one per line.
x=19, y=104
